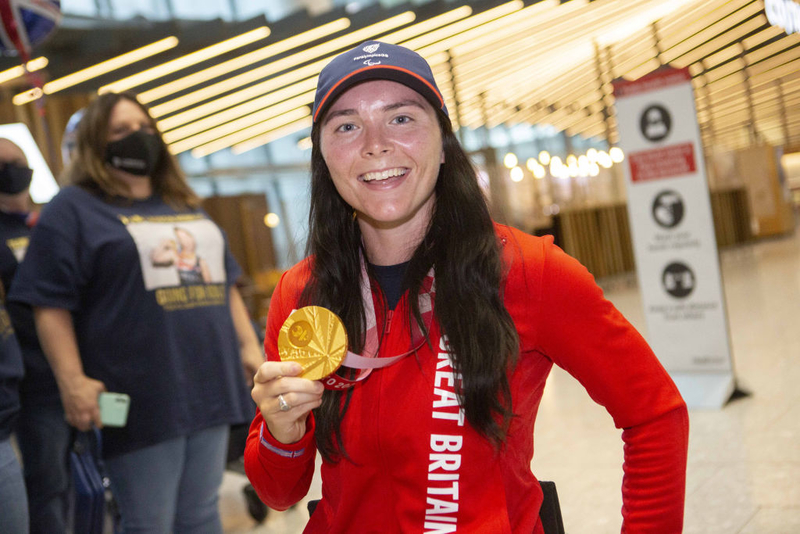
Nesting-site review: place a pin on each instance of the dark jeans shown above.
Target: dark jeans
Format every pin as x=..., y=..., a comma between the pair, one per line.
x=43, y=437
x=14, y=516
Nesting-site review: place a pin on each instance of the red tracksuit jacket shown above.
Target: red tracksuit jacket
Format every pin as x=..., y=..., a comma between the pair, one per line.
x=415, y=464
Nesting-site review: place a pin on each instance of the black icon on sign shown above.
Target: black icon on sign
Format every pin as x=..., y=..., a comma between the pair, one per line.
x=655, y=123
x=678, y=280
x=668, y=209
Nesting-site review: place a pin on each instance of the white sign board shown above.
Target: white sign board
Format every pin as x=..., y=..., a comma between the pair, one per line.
x=673, y=234
x=43, y=185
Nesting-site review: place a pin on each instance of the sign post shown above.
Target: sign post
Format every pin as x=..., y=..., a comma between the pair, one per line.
x=672, y=230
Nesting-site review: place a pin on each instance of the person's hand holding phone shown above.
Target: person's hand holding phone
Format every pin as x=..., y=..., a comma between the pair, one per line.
x=114, y=409
x=80, y=400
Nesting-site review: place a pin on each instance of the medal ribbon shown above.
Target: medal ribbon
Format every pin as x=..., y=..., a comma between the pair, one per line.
x=368, y=360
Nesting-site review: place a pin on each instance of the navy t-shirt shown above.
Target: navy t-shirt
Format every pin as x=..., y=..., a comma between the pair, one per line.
x=143, y=326
x=39, y=385
x=11, y=370
x=390, y=279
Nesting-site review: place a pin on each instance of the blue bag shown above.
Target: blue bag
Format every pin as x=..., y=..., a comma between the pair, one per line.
x=89, y=506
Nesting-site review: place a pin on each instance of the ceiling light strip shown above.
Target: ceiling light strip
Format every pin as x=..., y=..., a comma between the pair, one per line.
x=464, y=25
x=205, y=75
x=248, y=133
x=231, y=127
x=272, y=136
x=287, y=63
x=730, y=38
x=724, y=84
x=632, y=49
x=773, y=49
x=682, y=25
x=476, y=52
x=764, y=36
x=558, y=66
x=673, y=32
x=678, y=21
x=732, y=67
x=99, y=69
x=237, y=118
x=408, y=31
x=428, y=25
x=494, y=28
x=530, y=22
x=295, y=74
x=230, y=99
x=579, y=103
x=532, y=72
x=722, y=58
x=641, y=57
x=701, y=39
x=762, y=109
x=556, y=88
x=15, y=72
x=567, y=26
x=186, y=60
x=773, y=67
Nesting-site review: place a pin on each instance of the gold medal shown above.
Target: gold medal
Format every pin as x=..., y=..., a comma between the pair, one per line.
x=315, y=338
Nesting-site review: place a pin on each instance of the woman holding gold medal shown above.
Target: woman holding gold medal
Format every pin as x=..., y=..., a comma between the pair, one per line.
x=446, y=326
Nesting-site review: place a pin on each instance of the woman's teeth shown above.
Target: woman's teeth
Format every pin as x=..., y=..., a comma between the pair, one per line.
x=382, y=175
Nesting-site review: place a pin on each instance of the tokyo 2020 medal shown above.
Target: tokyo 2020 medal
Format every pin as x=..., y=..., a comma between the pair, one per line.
x=315, y=338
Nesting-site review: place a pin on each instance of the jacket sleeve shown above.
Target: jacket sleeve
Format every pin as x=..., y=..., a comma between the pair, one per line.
x=583, y=333
x=281, y=474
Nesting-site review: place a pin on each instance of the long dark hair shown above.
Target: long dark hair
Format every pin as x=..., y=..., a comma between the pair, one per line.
x=462, y=246
x=88, y=169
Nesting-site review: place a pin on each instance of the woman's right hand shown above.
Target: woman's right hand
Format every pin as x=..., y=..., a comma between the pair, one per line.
x=275, y=379
x=80, y=399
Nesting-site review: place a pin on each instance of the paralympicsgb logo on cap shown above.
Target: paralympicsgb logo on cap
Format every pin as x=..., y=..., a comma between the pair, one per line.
x=370, y=49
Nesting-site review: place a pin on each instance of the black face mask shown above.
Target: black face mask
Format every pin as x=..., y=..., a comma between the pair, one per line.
x=138, y=153
x=14, y=178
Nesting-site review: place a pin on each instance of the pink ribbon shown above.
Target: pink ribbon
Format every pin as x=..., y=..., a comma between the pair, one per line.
x=369, y=360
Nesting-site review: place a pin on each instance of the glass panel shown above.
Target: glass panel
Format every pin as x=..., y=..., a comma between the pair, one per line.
x=85, y=8
x=202, y=9
x=287, y=191
x=273, y=10
x=152, y=9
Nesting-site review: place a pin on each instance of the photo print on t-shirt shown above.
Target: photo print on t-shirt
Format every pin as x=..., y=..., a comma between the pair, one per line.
x=182, y=258
x=18, y=246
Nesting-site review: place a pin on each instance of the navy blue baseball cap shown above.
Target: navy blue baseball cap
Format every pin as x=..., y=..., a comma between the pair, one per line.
x=374, y=60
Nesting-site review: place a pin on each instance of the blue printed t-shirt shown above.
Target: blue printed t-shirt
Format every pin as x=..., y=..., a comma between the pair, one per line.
x=148, y=288
x=11, y=370
x=39, y=385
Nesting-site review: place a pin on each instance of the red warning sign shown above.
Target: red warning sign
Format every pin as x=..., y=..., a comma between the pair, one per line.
x=666, y=162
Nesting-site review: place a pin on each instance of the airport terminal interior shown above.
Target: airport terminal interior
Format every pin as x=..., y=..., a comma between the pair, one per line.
x=604, y=123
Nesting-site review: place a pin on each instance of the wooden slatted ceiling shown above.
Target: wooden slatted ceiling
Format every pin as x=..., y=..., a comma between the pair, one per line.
x=543, y=63
x=539, y=64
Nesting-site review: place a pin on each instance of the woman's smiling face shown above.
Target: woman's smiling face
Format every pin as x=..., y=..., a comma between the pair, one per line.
x=383, y=147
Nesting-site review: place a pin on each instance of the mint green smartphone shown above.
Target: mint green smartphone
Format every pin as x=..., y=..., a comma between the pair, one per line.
x=114, y=408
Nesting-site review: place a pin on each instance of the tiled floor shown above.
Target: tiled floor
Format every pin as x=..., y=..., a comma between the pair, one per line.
x=744, y=460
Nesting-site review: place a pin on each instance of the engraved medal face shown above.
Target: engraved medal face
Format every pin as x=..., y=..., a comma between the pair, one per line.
x=315, y=338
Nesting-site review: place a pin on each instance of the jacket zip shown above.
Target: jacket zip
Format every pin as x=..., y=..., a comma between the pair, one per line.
x=389, y=321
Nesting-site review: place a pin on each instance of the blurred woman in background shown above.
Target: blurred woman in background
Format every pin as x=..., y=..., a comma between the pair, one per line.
x=106, y=323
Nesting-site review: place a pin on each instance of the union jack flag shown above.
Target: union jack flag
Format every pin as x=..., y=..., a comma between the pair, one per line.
x=26, y=23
